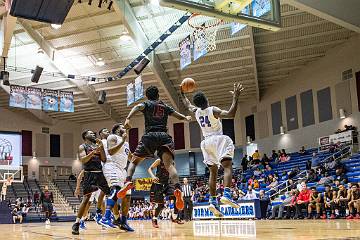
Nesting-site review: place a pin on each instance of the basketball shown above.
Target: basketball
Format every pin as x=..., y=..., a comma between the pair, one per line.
x=188, y=85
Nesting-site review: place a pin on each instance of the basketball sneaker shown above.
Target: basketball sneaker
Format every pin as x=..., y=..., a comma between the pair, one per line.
x=323, y=216
x=82, y=225
x=122, y=192
x=107, y=223
x=47, y=222
x=97, y=218
x=124, y=225
x=350, y=217
x=155, y=223
x=75, y=228
x=227, y=199
x=117, y=222
x=215, y=209
x=179, y=202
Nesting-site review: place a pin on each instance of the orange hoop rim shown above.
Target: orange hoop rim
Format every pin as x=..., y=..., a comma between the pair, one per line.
x=220, y=21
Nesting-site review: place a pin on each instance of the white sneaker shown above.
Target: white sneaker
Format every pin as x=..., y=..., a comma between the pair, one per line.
x=47, y=222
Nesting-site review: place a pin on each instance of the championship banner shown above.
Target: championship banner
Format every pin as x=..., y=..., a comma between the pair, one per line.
x=34, y=98
x=143, y=184
x=66, y=101
x=17, y=96
x=237, y=27
x=200, y=46
x=248, y=209
x=139, y=88
x=50, y=100
x=261, y=7
x=130, y=94
x=185, y=52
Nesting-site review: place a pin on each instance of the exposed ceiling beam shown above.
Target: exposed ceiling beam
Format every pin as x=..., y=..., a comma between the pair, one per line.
x=253, y=54
x=60, y=63
x=8, y=25
x=123, y=8
x=343, y=13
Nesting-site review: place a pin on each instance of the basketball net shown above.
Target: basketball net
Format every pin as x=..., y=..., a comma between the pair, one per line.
x=205, y=34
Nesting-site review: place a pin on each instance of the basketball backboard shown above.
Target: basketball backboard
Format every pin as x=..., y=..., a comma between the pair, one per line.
x=16, y=173
x=257, y=13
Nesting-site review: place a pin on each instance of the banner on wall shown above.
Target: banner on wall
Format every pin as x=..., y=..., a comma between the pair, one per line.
x=143, y=184
x=335, y=138
x=17, y=96
x=130, y=94
x=10, y=149
x=66, y=101
x=139, y=88
x=34, y=98
x=50, y=100
x=235, y=26
x=185, y=52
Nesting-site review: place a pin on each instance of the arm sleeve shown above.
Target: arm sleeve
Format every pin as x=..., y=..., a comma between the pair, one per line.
x=145, y=106
x=169, y=109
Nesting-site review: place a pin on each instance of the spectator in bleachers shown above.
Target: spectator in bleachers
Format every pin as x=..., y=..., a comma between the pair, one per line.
x=354, y=202
x=268, y=170
x=16, y=214
x=72, y=177
x=326, y=179
x=291, y=208
x=302, y=151
x=295, y=171
x=264, y=203
x=274, y=156
x=273, y=186
x=341, y=201
x=291, y=185
x=314, y=203
x=315, y=160
x=257, y=172
x=302, y=201
x=244, y=163
x=265, y=160
x=284, y=157
x=280, y=207
x=36, y=200
x=256, y=157
x=251, y=194
x=311, y=177
x=340, y=173
x=256, y=184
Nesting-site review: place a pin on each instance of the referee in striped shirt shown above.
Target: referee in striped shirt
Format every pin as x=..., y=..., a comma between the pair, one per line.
x=188, y=193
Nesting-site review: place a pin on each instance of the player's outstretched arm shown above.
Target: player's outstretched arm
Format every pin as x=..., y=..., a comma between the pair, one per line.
x=113, y=148
x=187, y=103
x=82, y=154
x=180, y=116
x=219, y=113
x=150, y=170
x=133, y=111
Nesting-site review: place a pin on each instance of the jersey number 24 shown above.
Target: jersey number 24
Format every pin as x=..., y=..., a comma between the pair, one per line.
x=204, y=121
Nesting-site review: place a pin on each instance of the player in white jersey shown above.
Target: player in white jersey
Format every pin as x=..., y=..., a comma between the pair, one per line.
x=217, y=148
x=115, y=174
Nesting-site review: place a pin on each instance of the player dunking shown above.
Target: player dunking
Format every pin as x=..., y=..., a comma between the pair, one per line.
x=115, y=174
x=91, y=154
x=217, y=148
x=156, y=138
x=160, y=188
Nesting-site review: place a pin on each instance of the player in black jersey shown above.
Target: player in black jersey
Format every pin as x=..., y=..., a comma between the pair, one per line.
x=155, y=139
x=160, y=189
x=91, y=154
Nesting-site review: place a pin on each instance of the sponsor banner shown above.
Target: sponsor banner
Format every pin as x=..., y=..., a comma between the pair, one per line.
x=130, y=94
x=335, y=138
x=17, y=96
x=185, y=52
x=66, y=101
x=139, y=88
x=200, y=46
x=34, y=98
x=143, y=184
x=229, y=228
x=50, y=100
x=246, y=210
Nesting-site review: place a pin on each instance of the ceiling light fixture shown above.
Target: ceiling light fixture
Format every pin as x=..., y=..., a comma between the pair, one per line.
x=100, y=62
x=125, y=37
x=55, y=26
x=155, y=2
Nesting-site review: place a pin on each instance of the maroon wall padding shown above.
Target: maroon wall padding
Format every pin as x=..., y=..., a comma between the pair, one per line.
x=357, y=75
x=179, y=138
x=133, y=138
x=26, y=143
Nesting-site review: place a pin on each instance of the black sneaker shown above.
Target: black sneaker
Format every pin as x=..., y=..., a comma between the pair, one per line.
x=117, y=222
x=75, y=228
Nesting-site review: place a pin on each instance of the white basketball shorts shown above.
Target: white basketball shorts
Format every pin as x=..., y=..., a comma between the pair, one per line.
x=115, y=175
x=216, y=148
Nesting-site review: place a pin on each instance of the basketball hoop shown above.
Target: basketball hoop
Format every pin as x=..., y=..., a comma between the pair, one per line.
x=205, y=34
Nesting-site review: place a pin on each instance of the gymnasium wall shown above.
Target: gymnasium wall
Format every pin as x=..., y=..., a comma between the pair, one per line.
x=69, y=132
x=324, y=78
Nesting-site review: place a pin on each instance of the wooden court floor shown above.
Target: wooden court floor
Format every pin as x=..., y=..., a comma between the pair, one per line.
x=264, y=229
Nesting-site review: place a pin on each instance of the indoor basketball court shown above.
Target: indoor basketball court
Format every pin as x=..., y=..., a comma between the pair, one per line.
x=180, y=119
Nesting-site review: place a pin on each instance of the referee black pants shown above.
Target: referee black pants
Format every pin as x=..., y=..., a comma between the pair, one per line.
x=188, y=207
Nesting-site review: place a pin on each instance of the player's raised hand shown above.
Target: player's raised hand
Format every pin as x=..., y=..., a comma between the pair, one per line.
x=127, y=125
x=238, y=88
x=188, y=118
x=124, y=135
